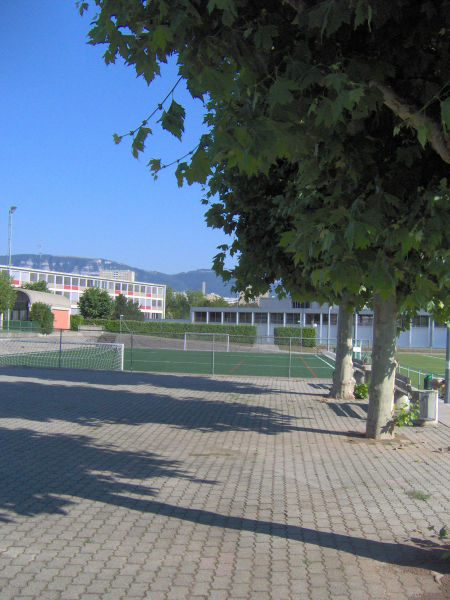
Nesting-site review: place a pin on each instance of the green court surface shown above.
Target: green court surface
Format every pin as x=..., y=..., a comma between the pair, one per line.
x=229, y=363
x=416, y=365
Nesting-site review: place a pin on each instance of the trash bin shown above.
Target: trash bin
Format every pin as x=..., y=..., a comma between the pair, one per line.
x=428, y=382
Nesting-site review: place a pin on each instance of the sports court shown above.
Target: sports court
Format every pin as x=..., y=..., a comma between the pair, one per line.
x=261, y=364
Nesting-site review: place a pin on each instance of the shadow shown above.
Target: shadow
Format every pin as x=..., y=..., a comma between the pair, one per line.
x=96, y=405
x=38, y=469
x=170, y=381
x=344, y=409
x=48, y=473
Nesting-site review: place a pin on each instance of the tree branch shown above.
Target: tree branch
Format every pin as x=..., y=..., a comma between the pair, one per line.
x=296, y=4
x=416, y=119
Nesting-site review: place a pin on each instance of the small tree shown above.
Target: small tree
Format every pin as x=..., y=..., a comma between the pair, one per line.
x=128, y=308
x=177, y=305
x=42, y=313
x=95, y=303
x=7, y=293
x=38, y=286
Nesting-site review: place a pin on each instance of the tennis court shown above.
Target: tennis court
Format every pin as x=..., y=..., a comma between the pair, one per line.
x=280, y=364
x=416, y=365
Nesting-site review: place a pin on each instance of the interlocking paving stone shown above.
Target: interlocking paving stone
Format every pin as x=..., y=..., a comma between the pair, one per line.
x=153, y=486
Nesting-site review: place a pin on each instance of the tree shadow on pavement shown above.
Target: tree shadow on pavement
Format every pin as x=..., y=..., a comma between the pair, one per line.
x=38, y=472
x=169, y=381
x=345, y=409
x=94, y=406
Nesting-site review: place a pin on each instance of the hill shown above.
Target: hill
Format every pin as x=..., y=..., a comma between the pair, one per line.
x=84, y=266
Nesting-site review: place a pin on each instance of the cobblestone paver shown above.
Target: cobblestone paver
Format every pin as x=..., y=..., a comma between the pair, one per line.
x=164, y=487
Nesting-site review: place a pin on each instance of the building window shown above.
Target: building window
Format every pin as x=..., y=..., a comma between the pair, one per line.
x=104, y=285
x=260, y=318
x=59, y=280
x=215, y=317
x=333, y=319
x=42, y=277
x=365, y=320
x=312, y=319
x=142, y=289
x=200, y=317
x=229, y=317
x=300, y=305
x=420, y=321
x=245, y=317
x=293, y=318
x=90, y=283
x=276, y=318
x=75, y=281
x=82, y=282
x=33, y=276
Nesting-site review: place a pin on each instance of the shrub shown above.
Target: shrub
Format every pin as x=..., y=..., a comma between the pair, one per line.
x=361, y=391
x=242, y=333
x=42, y=313
x=306, y=336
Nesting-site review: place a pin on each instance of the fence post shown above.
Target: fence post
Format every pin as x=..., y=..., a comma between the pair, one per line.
x=290, y=356
x=131, y=352
x=213, y=353
x=60, y=348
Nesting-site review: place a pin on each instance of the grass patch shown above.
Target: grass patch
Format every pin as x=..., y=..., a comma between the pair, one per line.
x=416, y=495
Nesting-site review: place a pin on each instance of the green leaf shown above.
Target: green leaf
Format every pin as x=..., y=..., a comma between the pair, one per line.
x=138, y=143
x=173, y=119
x=422, y=135
x=280, y=92
x=155, y=166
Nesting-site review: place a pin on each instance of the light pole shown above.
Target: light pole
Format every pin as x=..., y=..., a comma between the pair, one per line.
x=10, y=213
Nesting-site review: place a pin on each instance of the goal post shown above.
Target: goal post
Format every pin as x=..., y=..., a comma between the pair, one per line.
x=206, y=341
x=55, y=352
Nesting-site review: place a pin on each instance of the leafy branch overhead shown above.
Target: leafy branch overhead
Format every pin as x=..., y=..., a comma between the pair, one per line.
x=328, y=144
x=287, y=62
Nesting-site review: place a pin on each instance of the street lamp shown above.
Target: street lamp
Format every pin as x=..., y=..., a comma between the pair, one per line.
x=10, y=212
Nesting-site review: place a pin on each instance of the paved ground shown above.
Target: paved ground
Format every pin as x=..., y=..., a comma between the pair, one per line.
x=118, y=485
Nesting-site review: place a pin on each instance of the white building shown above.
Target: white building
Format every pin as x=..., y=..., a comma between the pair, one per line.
x=150, y=297
x=272, y=312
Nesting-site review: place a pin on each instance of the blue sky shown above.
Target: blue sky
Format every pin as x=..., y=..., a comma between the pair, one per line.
x=77, y=192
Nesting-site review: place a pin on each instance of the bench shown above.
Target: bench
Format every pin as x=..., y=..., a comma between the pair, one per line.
x=405, y=394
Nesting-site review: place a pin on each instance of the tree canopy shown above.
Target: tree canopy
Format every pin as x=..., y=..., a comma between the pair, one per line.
x=7, y=293
x=354, y=94
x=95, y=303
x=128, y=308
x=39, y=286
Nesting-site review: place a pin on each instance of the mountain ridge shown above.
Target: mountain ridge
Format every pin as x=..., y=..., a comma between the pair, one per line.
x=83, y=266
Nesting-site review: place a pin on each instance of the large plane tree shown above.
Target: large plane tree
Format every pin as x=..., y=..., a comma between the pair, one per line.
x=339, y=88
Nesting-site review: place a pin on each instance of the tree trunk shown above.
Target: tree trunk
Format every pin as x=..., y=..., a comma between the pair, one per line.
x=381, y=389
x=343, y=381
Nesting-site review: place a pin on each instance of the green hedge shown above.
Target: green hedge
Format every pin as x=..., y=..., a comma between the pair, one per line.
x=306, y=336
x=168, y=329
